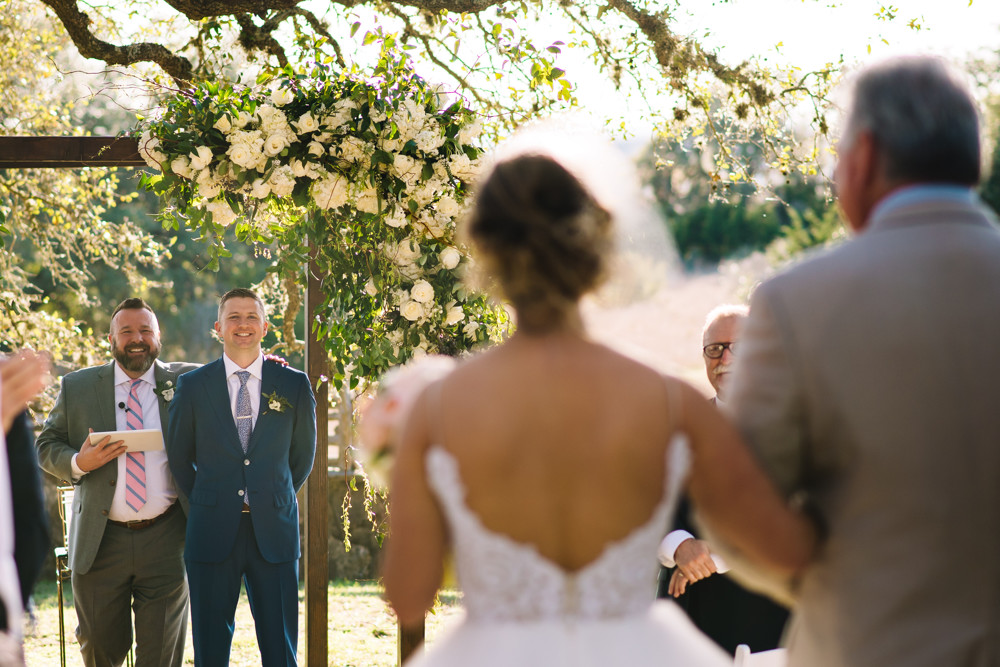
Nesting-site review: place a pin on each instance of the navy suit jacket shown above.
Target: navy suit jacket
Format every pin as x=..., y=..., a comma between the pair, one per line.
x=211, y=469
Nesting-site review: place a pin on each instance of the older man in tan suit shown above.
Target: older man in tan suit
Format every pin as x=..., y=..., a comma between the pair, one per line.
x=867, y=384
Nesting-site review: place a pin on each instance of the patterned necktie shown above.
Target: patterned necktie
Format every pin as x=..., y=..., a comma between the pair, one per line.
x=244, y=417
x=135, y=463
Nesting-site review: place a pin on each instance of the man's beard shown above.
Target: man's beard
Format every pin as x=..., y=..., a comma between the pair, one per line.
x=136, y=364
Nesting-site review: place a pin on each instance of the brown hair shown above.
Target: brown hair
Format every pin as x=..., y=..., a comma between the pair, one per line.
x=132, y=303
x=541, y=235
x=241, y=293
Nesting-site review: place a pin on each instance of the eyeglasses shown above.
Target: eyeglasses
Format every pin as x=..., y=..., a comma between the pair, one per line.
x=715, y=350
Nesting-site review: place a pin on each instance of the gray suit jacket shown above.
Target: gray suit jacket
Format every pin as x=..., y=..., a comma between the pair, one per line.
x=867, y=379
x=87, y=400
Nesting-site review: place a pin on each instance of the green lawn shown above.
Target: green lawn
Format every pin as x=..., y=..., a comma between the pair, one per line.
x=361, y=632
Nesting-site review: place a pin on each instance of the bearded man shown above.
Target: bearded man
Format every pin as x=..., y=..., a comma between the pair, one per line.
x=126, y=540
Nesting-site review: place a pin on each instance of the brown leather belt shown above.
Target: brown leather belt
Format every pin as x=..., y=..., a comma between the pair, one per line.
x=144, y=523
x=246, y=508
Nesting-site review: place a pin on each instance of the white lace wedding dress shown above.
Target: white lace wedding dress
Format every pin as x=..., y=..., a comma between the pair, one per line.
x=523, y=610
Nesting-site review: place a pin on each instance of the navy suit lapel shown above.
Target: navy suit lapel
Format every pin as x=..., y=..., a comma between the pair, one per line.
x=217, y=388
x=269, y=381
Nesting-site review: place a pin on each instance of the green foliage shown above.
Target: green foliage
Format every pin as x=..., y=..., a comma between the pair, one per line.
x=989, y=190
x=372, y=169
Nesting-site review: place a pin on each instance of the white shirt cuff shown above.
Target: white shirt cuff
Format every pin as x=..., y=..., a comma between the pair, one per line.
x=77, y=473
x=668, y=547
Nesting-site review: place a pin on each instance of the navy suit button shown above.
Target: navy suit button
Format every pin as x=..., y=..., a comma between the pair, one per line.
x=246, y=462
x=112, y=482
x=240, y=492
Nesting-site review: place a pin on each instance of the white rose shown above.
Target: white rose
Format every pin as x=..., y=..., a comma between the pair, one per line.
x=223, y=125
x=422, y=291
x=260, y=189
x=316, y=148
x=240, y=154
x=370, y=288
x=448, y=207
x=450, y=258
x=454, y=316
x=202, y=158
x=306, y=123
x=167, y=394
x=243, y=119
x=221, y=212
x=411, y=310
x=406, y=252
x=181, y=167
x=281, y=96
x=274, y=144
x=274, y=405
x=418, y=353
x=470, y=330
x=148, y=146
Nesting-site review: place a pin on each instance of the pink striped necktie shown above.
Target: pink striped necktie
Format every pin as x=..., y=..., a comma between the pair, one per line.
x=135, y=463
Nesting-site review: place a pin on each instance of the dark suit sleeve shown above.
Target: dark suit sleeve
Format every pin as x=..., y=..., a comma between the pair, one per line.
x=303, y=448
x=31, y=521
x=180, y=436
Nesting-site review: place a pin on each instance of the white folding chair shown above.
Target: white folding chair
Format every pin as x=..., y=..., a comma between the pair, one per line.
x=774, y=658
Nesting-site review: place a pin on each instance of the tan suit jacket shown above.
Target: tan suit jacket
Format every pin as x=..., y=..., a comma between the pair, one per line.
x=868, y=379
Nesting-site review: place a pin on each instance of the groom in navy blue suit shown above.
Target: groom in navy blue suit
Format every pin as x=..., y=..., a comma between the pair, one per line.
x=241, y=442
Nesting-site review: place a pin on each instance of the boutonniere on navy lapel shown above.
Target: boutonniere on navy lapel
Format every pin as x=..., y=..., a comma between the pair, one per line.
x=276, y=403
x=165, y=390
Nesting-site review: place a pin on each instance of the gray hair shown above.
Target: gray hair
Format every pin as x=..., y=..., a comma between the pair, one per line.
x=922, y=118
x=722, y=312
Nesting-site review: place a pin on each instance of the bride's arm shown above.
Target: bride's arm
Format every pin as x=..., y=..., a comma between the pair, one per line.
x=413, y=556
x=740, y=504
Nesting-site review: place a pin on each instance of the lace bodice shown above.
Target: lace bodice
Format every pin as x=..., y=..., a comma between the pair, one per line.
x=506, y=580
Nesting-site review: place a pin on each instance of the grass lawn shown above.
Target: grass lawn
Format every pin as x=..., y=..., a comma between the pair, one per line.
x=361, y=631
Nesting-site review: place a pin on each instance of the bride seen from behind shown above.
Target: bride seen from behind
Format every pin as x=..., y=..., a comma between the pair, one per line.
x=551, y=464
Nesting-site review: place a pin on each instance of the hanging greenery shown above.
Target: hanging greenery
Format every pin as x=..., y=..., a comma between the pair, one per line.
x=373, y=169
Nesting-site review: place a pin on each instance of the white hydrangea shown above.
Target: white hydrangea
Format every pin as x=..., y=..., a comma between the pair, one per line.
x=450, y=258
x=353, y=149
x=282, y=181
x=208, y=186
x=407, y=169
x=397, y=218
x=467, y=133
x=221, y=212
x=422, y=291
x=246, y=148
x=392, y=145
x=341, y=114
x=182, y=167
x=367, y=201
x=331, y=191
x=260, y=189
x=429, y=140
x=201, y=158
x=463, y=168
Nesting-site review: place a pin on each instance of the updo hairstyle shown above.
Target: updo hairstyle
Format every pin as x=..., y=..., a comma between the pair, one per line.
x=542, y=235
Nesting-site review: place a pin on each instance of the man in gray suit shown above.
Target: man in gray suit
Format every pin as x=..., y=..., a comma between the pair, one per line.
x=866, y=383
x=126, y=540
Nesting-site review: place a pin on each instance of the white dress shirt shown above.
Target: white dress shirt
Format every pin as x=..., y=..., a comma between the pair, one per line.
x=253, y=385
x=160, y=490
